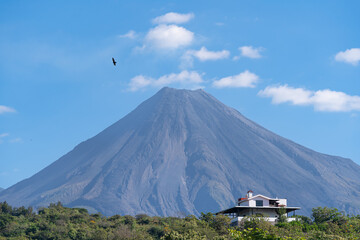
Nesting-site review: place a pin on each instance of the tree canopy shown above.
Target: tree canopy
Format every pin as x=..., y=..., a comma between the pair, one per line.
x=59, y=222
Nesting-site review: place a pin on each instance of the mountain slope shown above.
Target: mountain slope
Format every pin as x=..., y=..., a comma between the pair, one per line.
x=184, y=151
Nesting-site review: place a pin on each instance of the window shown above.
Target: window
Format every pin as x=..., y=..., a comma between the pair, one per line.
x=259, y=203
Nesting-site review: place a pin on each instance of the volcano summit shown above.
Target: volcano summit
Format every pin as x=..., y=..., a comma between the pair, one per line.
x=183, y=151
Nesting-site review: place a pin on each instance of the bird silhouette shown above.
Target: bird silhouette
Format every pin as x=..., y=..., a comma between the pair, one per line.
x=114, y=62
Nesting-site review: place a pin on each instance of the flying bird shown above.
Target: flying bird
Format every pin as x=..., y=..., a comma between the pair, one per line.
x=114, y=62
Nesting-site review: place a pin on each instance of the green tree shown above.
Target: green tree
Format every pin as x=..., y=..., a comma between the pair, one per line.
x=282, y=218
x=325, y=214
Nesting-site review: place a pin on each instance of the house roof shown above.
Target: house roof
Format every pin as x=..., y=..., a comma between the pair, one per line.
x=258, y=195
x=239, y=209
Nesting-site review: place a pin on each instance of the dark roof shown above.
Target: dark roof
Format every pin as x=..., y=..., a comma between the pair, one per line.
x=242, y=208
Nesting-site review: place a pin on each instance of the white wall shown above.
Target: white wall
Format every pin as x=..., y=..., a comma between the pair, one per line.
x=269, y=219
x=282, y=202
x=252, y=202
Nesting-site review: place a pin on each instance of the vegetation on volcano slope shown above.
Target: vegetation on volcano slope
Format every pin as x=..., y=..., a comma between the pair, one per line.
x=58, y=222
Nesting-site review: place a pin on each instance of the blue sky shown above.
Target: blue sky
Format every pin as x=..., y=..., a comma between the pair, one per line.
x=291, y=66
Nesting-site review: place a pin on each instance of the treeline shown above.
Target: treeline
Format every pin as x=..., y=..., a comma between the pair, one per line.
x=59, y=222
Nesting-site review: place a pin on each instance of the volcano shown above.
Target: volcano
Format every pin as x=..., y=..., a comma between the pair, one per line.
x=185, y=152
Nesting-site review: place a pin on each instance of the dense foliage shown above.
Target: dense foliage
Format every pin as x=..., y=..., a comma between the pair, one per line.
x=58, y=222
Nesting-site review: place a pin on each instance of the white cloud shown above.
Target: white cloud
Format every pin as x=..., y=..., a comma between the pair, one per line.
x=187, y=61
x=169, y=37
x=282, y=94
x=351, y=56
x=322, y=100
x=172, y=17
x=130, y=34
x=184, y=78
x=332, y=101
x=139, y=82
x=244, y=79
x=5, y=109
x=203, y=55
x=250, y=52
x=16, y=140
x=2, y=135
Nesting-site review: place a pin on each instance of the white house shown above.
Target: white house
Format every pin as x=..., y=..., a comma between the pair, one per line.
x=258, y=205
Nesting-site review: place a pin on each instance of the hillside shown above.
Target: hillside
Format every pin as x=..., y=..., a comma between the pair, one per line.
x=184, y=152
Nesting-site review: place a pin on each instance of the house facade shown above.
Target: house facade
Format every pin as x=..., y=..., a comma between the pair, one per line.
x=259, y=206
